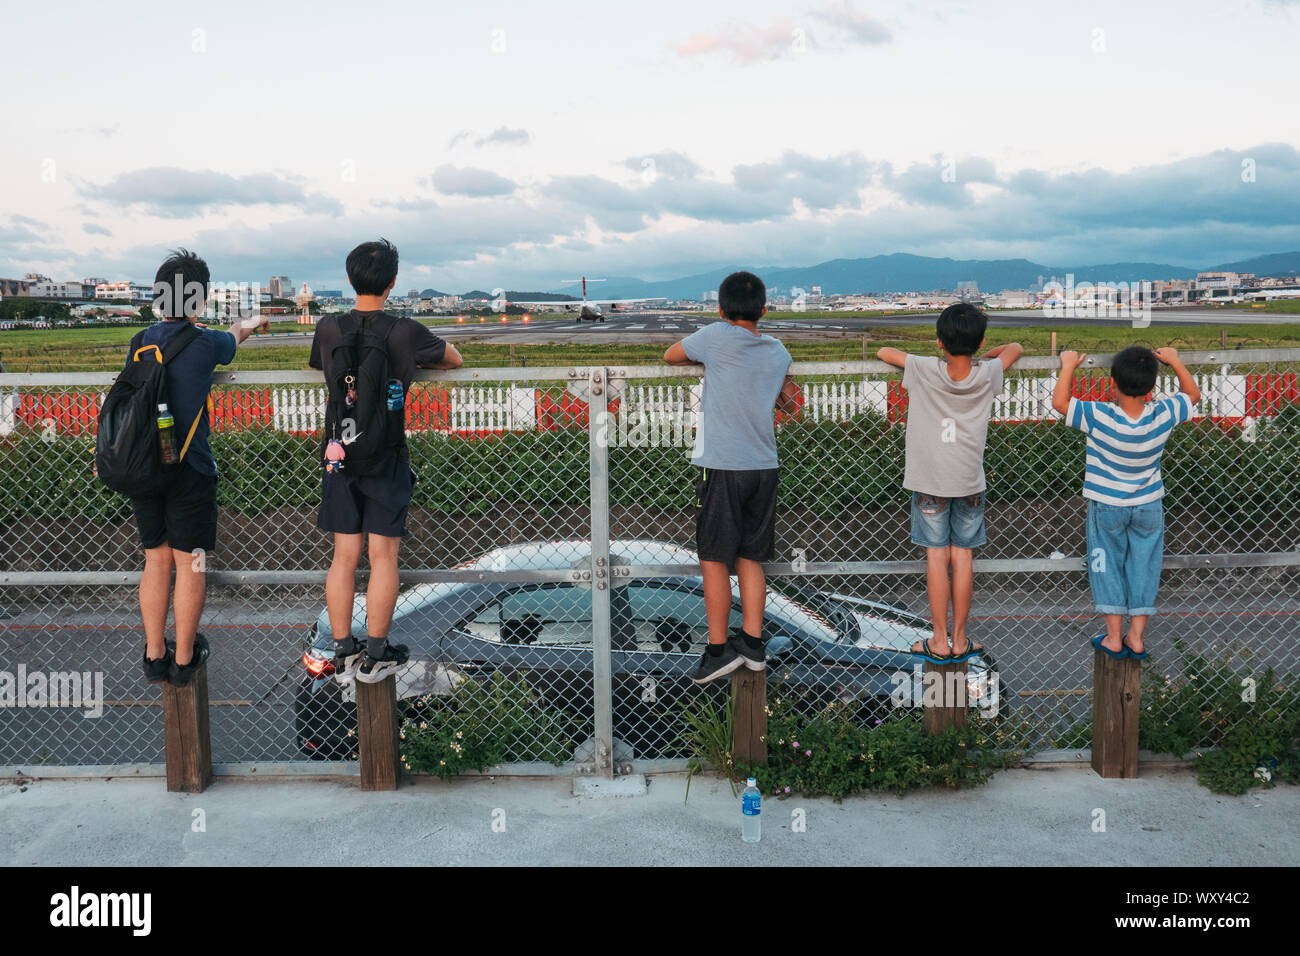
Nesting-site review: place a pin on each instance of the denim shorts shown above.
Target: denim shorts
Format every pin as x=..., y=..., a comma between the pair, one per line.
x=940, y=522
x=1126, y=546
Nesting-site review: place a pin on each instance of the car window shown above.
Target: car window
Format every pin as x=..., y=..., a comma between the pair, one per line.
x=535, y=616
x=668, y=617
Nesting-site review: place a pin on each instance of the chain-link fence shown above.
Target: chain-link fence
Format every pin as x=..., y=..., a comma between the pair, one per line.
x=550, y=592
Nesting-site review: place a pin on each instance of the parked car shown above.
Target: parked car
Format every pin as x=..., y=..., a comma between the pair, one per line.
x=824, y=646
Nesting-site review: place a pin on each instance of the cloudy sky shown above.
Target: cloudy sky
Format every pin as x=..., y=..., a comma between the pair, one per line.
x=521, y=144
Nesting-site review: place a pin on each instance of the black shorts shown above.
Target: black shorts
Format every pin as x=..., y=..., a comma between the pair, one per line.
x=735, y=514
x=184, y=516
x=374, y=505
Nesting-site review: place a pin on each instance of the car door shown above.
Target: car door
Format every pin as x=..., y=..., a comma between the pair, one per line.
x=540, y=632
x=652, y=686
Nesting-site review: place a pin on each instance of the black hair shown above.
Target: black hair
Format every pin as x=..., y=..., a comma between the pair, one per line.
x=1134, y=371
x=372, y=267
x=961, y=328
x=173, y=285
x=742, y=297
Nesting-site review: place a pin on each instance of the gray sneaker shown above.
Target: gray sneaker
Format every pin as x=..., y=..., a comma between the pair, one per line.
x=713, y=666
x=753, y=658
x=349, y=654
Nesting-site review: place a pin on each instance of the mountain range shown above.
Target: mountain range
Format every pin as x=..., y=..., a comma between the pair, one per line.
x=902, y=272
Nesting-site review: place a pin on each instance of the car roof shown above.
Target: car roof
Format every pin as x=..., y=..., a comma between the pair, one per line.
x=558, y=555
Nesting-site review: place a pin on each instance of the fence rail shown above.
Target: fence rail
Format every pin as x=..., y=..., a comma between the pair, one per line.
x=559, y=552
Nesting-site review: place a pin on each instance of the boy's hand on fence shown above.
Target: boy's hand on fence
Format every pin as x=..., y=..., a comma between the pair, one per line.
x=1167, y=355
x=1070, y=359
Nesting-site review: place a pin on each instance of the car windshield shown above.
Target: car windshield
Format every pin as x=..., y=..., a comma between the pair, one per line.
x=814, y=612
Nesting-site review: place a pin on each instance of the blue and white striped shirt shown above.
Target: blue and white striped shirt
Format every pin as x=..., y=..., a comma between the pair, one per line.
x=1124, y=454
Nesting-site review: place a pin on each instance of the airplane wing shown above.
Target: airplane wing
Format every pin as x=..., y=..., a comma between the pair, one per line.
x=590, y=301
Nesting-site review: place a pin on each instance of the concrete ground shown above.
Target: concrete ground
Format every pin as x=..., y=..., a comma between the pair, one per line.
x=1041, y=816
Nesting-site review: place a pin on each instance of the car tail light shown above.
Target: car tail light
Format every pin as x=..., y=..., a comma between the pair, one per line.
x=317, y=666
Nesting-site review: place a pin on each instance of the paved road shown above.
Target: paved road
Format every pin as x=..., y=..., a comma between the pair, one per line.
x=1041, y=651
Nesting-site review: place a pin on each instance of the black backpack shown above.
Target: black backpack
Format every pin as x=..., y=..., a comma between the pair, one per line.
x=127, y=456
x=358, y=393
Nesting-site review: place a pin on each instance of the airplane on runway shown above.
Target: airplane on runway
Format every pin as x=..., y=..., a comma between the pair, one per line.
x=589, y=309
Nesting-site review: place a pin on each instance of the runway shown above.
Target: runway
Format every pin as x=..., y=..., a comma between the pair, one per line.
x=657, y=326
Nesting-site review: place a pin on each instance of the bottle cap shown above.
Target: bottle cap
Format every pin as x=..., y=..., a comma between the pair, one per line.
x=162, y=406
x=753, y=782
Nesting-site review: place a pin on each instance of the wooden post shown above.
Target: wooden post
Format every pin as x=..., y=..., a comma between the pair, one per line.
x=186, y=741
x=1116, y=702
x=1053, y=345
x=512, y=355
x=749, y=716
x=944, y=696
x=1223, y=337
x=377, y=728
x=864, y=347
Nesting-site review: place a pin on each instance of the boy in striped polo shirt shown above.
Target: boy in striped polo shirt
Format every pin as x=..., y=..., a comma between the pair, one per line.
x=1126, y=517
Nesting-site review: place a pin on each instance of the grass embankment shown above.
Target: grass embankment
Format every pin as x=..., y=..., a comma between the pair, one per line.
x=91, y=349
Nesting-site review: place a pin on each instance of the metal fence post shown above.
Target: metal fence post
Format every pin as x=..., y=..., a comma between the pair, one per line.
x=601, y=579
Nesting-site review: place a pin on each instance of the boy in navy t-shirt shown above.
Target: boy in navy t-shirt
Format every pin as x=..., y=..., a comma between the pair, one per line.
x=178, y=526
x=745, y=379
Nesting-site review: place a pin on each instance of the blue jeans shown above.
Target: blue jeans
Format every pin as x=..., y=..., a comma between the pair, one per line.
x=1126, y=546
x=940, y=522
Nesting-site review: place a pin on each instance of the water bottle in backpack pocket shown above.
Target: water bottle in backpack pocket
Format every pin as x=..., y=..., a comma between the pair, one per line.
x=135, y=435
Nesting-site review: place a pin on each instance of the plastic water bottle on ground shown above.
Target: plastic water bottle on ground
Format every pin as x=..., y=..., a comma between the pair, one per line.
x=751, y=805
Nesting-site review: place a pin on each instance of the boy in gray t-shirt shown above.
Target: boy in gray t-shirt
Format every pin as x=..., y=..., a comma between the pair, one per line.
x=745, y=379
x=949, y=404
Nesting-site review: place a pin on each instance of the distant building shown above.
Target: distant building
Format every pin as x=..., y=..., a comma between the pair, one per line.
x=46, y=289
x=131, y=291
x=281, y=287
x=1013, y=299
x=14, y=287
x=92, y=282
x=1210, y=285
x=968, y=290
x=330, y=294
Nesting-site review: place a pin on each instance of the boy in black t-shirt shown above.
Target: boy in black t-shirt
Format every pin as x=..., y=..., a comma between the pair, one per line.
x=371, y=505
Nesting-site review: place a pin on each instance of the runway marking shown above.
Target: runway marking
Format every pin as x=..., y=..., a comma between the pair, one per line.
x=634, y=327
x=667, y=326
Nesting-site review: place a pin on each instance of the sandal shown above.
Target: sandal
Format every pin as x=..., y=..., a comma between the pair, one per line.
x=1137, y=656
x=1121, y=654
x=921, y=649
x=972, y=650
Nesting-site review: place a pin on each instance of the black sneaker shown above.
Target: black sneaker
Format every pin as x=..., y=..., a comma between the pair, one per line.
x=755, y=658
x=181, y=674
x=348, y=655
x=713, y=666
x=156, y=671
x=372, y=671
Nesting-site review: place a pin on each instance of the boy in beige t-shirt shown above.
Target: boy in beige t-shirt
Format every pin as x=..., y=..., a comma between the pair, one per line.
x=950, y=400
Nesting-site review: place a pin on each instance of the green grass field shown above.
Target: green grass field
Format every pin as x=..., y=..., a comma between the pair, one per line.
x=90, y=349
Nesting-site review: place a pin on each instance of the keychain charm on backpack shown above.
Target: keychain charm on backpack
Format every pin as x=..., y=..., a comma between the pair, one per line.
x=334, y=455
x=350, y=398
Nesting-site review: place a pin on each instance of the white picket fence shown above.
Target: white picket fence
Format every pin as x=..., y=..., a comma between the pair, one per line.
x=512, y=408
x=491, y=408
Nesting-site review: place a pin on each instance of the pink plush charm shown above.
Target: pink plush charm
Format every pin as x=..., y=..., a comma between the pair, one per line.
x=334, y=455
